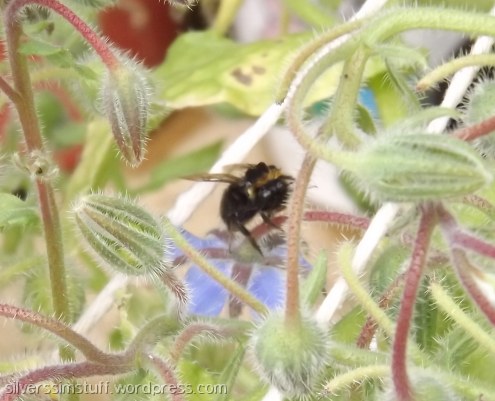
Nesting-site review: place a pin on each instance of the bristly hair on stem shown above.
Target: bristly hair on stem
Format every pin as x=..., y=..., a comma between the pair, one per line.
x=402, y=385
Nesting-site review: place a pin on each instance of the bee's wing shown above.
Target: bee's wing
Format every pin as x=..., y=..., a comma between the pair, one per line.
x=228, y=178
x=239, y=166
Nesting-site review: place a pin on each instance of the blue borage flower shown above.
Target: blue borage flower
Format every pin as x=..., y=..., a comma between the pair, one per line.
x=265, y=278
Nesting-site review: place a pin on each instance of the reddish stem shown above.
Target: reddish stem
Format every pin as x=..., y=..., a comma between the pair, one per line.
x=168, y=375
x=190, y=332
x=5, y=117
x=465, y=272
x=68, y=371
x=412, y=280
x=9, y=90
x=370, y=326
x=61, y=330
x=341, y=219
x=292, y=312
x=476, y=131
x=459, y=238
x=97, y=43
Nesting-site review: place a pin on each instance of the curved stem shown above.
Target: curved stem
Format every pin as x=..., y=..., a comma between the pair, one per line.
x=355, y=376
x=465, y=271
x=67, y=371
x=451, y=308
x=413, y=276
x=61, y=330
x=230, y=285
x=449, y=68
x=153, y=331
x=168, y=375
x=97, y=43
x=341, y=118
x=304, y=55
x=193, y=330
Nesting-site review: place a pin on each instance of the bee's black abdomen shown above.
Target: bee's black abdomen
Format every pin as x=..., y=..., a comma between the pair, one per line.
x=237, y=207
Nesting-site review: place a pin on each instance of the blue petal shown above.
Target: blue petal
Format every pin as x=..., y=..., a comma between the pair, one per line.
x=268, y=285
x=207, y=296
x=210, y=241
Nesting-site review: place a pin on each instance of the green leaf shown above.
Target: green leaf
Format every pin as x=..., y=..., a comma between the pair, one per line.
x=347, y=329
x=19, y=269
x=37, y=293
x=229, y=374
x=191, y=163
x=15, y=212
x=365, y=120
x=98, y=162
x=315, y=282
x=202, y=68
x=192, y=374
x=391, y=107
x=35, y=47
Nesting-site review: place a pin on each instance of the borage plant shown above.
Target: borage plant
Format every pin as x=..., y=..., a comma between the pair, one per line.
x=421, y=274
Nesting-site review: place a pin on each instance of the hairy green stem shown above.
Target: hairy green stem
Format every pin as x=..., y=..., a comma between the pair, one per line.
x=445, y=70
x=366, y=301
x=356, y=375
x=341, y=118
x=152, y=332
x=198, y=259
x=451, y=308
x=305, y=53
x=225, y=16
x=362, y=294
x=379, y=29
x=310, y=12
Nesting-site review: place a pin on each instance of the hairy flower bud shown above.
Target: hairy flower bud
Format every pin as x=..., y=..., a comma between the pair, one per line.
x=291, y=358
x=418, y=167
x=125, y=101
x=122, y=234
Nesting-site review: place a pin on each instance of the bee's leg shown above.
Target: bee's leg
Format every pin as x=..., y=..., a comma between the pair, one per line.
x=266, y=218
x=250, y=238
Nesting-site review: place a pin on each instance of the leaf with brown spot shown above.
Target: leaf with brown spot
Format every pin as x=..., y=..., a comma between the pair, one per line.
x=203, y=68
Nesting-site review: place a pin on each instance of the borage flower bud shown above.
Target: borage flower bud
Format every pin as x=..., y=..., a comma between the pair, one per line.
x=125, y=102
x=418, y=167
x=291, y=358
x=122, y=234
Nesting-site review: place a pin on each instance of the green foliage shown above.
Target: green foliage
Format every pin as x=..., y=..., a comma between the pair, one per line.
x=243, y=75
x=191, y=163
x=383, y=151
x=16, y=212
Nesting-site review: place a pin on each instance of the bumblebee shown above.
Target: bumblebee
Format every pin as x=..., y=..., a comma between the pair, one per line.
x=263, y=190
